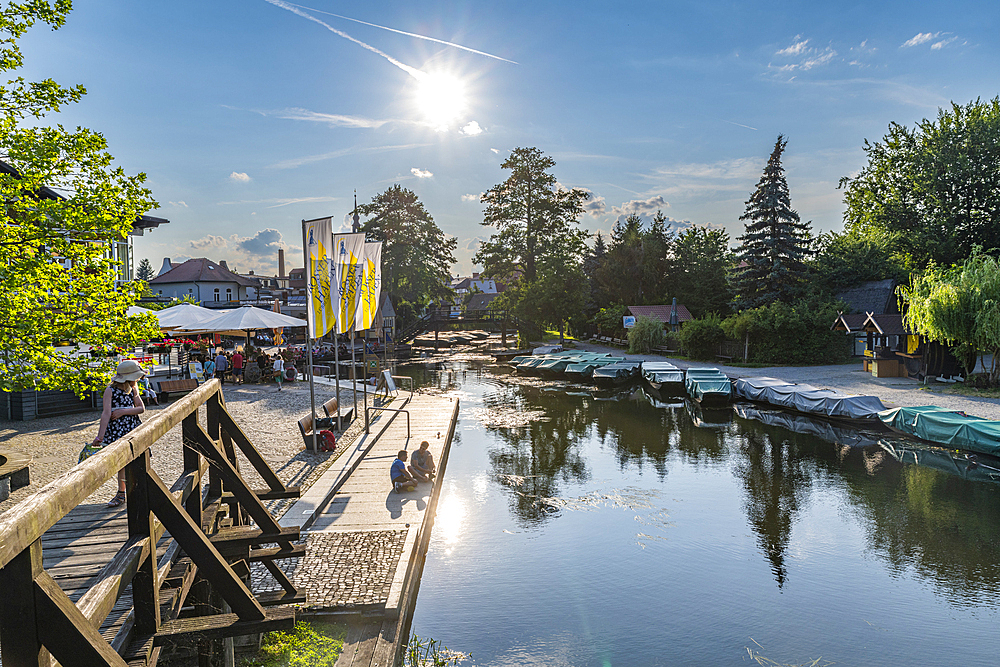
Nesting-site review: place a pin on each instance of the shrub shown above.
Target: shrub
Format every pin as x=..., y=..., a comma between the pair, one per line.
x=609, y=320
x=701, y=338
x=796, y=333
x=645, y=335
x=308, y=645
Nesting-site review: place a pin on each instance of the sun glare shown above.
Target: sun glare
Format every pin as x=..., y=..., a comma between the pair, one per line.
x=440, y=98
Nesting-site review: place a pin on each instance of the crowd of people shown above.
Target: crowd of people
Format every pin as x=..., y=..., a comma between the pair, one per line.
x=225, y=365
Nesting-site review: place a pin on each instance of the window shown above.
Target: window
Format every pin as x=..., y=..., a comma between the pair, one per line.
x=229, y=294
x=216, y=293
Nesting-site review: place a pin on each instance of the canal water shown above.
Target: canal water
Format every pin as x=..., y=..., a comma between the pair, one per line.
x=582, y=529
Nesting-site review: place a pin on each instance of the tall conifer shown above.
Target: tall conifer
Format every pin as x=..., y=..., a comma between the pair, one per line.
x=775, y=244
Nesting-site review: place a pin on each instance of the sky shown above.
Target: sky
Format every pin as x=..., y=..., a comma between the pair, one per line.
x=249, y=116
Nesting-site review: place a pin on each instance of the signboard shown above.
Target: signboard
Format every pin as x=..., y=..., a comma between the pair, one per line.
x=388, y=382
x=628, y=321
x=195, y=371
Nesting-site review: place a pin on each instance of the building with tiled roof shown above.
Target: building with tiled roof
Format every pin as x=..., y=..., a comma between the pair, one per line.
x=662, y=313
x=204, y=280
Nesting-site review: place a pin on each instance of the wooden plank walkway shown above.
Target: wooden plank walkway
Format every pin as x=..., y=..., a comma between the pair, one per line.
x=366, y=546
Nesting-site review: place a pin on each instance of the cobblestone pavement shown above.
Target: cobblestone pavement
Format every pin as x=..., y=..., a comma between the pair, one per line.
x=267, y=416
x=340, y=569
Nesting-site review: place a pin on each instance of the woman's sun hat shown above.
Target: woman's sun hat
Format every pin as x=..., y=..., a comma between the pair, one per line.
x=128, y=370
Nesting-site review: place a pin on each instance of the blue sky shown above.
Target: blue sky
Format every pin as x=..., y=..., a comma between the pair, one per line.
x=248, y=117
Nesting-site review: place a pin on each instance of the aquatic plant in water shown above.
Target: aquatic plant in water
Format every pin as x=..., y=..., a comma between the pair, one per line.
x=431, y=653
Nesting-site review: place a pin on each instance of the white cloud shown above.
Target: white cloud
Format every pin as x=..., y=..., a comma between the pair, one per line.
x=937, y=46
x=472, y=197
x=179, y=204
x=821, y=58
x=472, y=128
x=641, y=206
x=596, y=206
x=798, y=48
x=208, y=242
x=337, y=120
x=275, y=202
x=239, y=177
x=420, y=173
x=495, y=151
x=918, y=39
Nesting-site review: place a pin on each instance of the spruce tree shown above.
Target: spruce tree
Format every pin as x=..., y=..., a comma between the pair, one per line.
x=775, y=244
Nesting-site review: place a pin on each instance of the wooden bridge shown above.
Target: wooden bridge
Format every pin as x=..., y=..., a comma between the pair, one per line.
x=89, y=586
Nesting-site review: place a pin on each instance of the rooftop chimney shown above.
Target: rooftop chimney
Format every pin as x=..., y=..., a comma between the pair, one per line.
x=281, y=262
x=475, y=276
x=166, y=266
x=224, y=265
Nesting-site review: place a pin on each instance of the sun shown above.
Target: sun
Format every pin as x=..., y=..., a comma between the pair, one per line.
x=440, y=98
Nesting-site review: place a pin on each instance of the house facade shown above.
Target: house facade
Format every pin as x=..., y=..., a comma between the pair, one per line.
x=204, y=280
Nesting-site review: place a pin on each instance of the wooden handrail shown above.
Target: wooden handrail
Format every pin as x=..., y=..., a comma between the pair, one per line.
x=28, y=520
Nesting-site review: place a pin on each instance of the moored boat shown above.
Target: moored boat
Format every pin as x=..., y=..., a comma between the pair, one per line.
x=708, y=385
x=947, y=428
x=809, y=399
x=663, y=377
x=617, y=374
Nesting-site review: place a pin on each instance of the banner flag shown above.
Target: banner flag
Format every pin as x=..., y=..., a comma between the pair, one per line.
x=321, y=297
x=371, y=286
x=348, y=256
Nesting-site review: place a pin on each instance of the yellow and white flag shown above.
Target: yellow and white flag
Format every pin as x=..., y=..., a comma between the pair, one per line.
x=321, y=295
x=371, y=286
x=348, y=255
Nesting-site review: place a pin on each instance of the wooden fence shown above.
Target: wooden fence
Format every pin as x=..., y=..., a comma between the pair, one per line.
x=174, y=597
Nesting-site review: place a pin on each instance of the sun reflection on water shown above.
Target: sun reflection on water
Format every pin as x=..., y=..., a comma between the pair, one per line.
x=450, y=519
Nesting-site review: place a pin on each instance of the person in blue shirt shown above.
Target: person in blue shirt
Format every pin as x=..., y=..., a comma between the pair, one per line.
x=401, y=480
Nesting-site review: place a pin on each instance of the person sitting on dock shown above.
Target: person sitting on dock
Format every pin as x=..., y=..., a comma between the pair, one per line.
x=401, y=480
x=422, y=463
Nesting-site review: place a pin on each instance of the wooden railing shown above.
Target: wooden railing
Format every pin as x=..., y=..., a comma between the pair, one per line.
x=209, y=524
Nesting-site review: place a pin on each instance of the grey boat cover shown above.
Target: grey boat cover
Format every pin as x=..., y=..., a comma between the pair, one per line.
x=663, y=372
x=619, y=369
x=807, y=398
x=802, y=424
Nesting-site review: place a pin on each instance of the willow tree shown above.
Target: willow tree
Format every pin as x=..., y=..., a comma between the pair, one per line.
x=64, y=205
x=959, y=307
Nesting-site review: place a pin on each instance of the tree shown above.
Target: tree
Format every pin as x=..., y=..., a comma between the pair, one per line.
x=591, y=265
x=64, y=204
x=634, y=270
x=145, y=271
x=933, y=189
x=532, y=216
x=416, y=255
x=560, y=291
x=959, y=307
x=698, y=271
x=845, y=260
x=775, y=244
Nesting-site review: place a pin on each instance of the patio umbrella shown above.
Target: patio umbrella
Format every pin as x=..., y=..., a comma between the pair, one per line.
x=184, y=315
x=245, y=319
x=136, y=310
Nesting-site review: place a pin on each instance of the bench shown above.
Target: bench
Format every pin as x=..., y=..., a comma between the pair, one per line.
x=662, y=349
x=13, y=472
x=723, y=357
x=330, y=409
x=176, y=386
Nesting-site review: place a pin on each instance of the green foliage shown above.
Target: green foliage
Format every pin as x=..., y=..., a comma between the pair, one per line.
x=845, y=260
x=534, y=217
x=790, y=334
x=308, y=645
x=958, y=307
x=58, y=282
x=145, y=271
x=776, y=242
x=416, y=254
x=698, y=271
x=935, y=186
x=700, y=338
x=645, y=335
x=160, y=305
x=430, y=653
x=609, y=319
x=634, y=268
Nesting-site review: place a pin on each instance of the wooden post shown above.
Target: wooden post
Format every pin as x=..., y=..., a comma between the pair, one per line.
x=19, y=642
x=145, y=587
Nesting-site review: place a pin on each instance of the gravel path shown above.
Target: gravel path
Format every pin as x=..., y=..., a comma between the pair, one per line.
x=848, y=378
x=266, y=415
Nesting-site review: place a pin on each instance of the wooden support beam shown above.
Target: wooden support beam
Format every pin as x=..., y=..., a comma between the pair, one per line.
x=223, y=625
x=69, y=637
x=19, y=640
x=233, y=481
x=196, y=545
x=280, y=577
x=229, y=540
x=277, y=553
x=145, y=582
x=230, y=426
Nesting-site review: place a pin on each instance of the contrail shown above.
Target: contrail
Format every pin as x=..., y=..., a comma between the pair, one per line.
x=727, y=121
x=412, y=71
x=408, y=34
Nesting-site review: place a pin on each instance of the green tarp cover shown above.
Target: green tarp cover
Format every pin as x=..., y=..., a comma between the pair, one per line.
x=702, y=388
x=946, y=427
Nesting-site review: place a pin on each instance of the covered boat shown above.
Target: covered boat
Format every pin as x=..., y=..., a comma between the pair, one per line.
x=809, y=399
x=663, y=376
x=708, y=385
x=617, y=374
x=952, y=429
x=838, y=435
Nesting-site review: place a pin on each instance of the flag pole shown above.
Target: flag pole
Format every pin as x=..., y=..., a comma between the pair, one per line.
x=309, y=330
